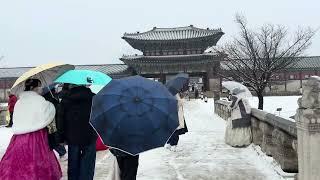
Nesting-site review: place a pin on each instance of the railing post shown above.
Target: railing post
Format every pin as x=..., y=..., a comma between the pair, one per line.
x=308, y=128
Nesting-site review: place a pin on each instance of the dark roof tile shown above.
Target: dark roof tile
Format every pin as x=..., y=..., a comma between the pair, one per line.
x=179, y=33
x=114, y=70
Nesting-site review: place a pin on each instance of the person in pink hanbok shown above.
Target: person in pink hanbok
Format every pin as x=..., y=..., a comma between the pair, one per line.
x=28, y=156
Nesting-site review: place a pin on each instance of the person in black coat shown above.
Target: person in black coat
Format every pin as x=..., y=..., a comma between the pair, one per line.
x=128, y=164
x=49, y=93
x=74, y=115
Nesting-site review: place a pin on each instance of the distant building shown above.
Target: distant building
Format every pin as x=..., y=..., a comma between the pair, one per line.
x=169, y=51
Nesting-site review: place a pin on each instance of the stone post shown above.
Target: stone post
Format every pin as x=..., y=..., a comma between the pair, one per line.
x=308, y=128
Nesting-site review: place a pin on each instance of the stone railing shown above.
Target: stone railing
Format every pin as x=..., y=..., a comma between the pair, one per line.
x=276, y=136
x=295, y=145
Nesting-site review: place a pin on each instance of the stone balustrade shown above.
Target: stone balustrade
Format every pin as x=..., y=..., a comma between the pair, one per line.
x=294, y=145
x=276, y=136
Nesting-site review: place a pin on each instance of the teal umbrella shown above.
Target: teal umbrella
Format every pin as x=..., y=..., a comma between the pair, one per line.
x=84, y=77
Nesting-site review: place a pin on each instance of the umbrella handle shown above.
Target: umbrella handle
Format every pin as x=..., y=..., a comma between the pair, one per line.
x=45, y=82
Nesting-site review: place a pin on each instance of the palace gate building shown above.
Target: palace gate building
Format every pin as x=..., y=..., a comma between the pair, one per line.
x=169, y=51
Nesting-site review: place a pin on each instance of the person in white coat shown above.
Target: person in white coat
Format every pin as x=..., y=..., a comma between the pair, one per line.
x=28, y=155
x=182, y=128
x=238, y=131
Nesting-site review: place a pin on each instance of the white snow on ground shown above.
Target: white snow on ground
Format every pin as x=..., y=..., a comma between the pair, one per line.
x=202, y=153
x=289, y=104
x=5, y=137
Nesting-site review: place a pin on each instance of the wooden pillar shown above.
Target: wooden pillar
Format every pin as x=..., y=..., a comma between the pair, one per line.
x=5, y=89
x=162, y=78
x=205, y=82
x=285, y=81
x=300, y=74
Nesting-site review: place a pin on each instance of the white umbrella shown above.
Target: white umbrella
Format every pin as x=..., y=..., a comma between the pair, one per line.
x=46, y=73
x=237, y=88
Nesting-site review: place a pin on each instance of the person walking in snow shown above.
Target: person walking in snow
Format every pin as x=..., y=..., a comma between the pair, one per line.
x=50, y=94
x=73, y=117
x=127, y=164
x=28, y=155
x=11, y=103
x=238, y=130
x=182, y=129
x=205, y=99
x=196, y=93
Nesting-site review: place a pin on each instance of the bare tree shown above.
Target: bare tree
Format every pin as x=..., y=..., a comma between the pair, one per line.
x=255, y=56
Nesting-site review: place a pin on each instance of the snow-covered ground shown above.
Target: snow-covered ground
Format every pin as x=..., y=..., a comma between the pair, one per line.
x=289, y=104
x=202, y=153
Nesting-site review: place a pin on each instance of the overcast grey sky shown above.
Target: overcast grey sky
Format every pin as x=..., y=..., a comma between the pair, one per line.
x=89, y=32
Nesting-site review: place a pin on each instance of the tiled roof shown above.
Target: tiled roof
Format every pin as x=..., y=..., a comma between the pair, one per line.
x=114, y=70
x=311, y=62
x=170, y=58
x=302, y=63
x=13, y=72
x=179, y=33
x=109, y=69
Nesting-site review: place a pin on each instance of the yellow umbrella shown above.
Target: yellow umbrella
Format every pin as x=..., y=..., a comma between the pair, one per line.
x=46, y=73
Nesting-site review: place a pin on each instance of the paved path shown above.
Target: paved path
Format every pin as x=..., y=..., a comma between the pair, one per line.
x=202, y=154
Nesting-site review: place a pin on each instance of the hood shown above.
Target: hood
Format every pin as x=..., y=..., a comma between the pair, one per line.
x=80, y=93
x=11, y=95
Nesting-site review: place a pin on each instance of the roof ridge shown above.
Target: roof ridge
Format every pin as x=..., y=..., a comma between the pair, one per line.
x=74, y=65
x=182, y=28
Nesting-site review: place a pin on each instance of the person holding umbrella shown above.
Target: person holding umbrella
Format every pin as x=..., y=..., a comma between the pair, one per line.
x=28, y=155
x=176, y=87
x=182, y=129
x=238, y=131
x=50, y=94
x=73, y=117
x=74, y=114
x=133, y=115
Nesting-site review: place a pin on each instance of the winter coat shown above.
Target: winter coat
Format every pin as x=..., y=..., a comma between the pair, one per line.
x=53, y=136
x=11, y=103
x=73, y=117
x=240, y=112
x=32, y=113
x=182, y=128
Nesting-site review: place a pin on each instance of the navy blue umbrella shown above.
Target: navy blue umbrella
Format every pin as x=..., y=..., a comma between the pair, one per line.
x=178, y=83
x=134, y=114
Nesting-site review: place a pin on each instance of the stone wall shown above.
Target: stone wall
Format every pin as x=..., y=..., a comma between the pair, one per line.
x=276, y=136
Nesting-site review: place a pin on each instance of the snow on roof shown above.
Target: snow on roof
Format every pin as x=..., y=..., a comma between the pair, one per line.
x=188, y=32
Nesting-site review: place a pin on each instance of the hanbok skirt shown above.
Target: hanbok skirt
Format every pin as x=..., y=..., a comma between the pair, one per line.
x=237, y=137
x=28, y=157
